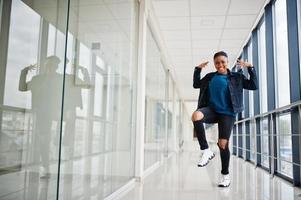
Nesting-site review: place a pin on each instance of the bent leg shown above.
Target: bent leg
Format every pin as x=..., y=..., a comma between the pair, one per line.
x=199, y=117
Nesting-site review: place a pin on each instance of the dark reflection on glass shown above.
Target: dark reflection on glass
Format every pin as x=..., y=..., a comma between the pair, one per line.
x=46, y=99
x=46, y=106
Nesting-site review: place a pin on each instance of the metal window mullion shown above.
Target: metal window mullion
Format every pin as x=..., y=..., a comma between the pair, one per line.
x=4, y=35
x=294, y=70
x=255, y=61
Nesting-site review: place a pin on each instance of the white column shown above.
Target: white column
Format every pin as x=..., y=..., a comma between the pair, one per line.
x=140, y=115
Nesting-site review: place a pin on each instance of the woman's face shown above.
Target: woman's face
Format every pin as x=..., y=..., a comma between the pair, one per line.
x=221, y=63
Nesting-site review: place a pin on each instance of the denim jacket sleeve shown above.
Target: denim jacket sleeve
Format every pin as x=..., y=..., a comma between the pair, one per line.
x=197, y=81
x=250, y=84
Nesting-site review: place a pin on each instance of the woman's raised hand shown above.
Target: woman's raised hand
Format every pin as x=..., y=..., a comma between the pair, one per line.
x=243, y=64
x=202, y=65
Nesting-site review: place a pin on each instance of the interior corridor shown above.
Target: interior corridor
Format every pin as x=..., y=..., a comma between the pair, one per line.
x=179, y=178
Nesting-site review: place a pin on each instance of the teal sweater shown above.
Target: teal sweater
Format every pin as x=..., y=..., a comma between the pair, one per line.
x=220, y=99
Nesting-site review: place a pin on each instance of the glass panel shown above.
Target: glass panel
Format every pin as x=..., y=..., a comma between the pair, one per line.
x=31, y=97
x=253, y=140
x=178, y=125
x=284, y=146
x=281, y=51
x=155, y=122
x=170, y=130
x=97, y=147
x=243, y=140
x=262, y=68
x=265, y=142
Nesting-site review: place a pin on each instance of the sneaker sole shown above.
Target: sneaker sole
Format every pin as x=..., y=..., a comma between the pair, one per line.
x=224, y=185
x=207, y=162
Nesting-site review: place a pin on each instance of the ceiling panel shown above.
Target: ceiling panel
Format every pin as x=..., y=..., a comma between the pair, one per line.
x=235, y=33
x=183, y=64
x=206, y=34
x=240, y=21
x=178, y=44
x=176, y=35
x=212, y=7
x=245, y=7
x=117, y=1
x=121, y=10
x=207, y=22
x=94, y=13
x=230, y=44
x=204, y=44
x=174, y=23
x=85, y=2
x=178, y=8
x=198, y=51
x=209, y=26
x=181, y=59
x=180, y=51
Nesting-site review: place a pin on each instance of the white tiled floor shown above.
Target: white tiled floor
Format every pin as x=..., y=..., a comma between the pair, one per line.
x=180, y=179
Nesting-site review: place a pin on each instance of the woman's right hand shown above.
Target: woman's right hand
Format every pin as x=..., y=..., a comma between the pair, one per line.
x=202, y=65
x=30, y=68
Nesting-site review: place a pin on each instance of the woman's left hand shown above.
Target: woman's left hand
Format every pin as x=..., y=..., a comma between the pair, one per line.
x=244, y=64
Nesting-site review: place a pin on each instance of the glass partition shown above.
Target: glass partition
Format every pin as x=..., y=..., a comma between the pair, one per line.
x=98, y=134
x=155, y=109
x=32, y=72
x=262, y=69
x=281, y=54
x=170, y=123
x=67, y=100
x=264, y=142
x=284, y=144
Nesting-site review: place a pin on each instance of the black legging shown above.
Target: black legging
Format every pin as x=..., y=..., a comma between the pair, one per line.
x=225, y=125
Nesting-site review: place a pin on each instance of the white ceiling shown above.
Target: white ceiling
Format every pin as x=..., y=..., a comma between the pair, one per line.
x=193, y=30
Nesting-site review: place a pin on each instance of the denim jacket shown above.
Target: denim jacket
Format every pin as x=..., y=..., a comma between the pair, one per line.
x=236, y=82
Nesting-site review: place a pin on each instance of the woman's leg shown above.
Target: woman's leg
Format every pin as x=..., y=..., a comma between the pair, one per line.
x=200, y=116
x=225, y=126
x=225, y=155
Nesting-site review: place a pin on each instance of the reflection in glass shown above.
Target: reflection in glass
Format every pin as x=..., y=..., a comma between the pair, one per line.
x=88, y=103
x=31, y=99
x=97, y=145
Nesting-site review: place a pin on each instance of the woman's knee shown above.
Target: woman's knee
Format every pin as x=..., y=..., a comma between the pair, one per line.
x=223, y=144
x=197, y=115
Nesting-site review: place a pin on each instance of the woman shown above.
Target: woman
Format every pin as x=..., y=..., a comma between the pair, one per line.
x=220, y=99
